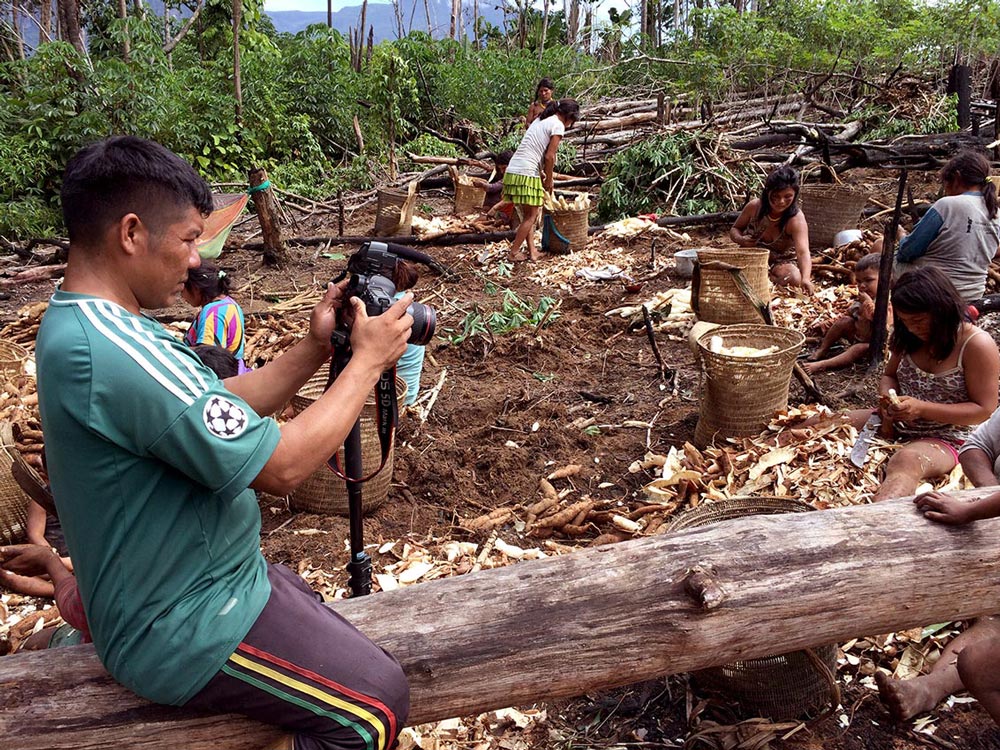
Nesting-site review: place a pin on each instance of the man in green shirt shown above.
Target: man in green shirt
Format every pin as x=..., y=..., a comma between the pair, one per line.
x=154, y=462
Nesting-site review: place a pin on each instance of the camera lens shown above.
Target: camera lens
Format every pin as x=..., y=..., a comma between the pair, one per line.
x=424, y=321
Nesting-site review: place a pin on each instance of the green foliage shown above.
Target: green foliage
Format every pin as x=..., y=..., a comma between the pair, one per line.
x=428, y=145
x=29, y=217
x=514, y=313
x=669, y=174
x=301, y=95
x=882, y=123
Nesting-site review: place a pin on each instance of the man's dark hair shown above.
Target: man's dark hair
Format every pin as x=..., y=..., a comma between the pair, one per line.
x=872, y=260
x=124, y=174
x=503, y=158
x=928, y=290
x=219, y=360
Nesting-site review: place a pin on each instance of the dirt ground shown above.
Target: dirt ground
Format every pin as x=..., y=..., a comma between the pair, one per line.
x=503, y=419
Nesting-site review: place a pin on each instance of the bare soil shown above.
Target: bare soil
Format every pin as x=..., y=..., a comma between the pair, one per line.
x=501, y=422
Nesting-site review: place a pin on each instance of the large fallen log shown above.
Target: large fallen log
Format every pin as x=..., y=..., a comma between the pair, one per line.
x=595, y=619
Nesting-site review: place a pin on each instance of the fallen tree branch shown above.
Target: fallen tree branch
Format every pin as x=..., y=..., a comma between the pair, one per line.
x=566, y=626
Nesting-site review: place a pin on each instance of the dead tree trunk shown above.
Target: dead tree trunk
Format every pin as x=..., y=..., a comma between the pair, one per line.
x=960, y=83
x=994, y=92
x=275, y=253
x=591, y=620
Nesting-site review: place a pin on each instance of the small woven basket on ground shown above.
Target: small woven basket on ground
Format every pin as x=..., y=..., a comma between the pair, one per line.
x=741, y=393
x=13, y=501
x=783, y=687
x=571, y=224
x=469, y=198
x=325, y=492
x=394, y=213
x=719, y=299
x=829, y=209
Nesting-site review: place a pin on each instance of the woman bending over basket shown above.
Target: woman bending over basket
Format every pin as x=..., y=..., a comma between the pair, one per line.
x=941, y=381
x=529, y=174
x=775, y=223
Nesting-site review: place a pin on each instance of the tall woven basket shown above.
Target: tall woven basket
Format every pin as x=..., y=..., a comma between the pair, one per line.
x=719, y=300
x=469, y=198
x=742, y=393
x=829, y=209
x=13, y=501
x=782, y=687
x=573, y=225
x=324, y=492
x=394, y=214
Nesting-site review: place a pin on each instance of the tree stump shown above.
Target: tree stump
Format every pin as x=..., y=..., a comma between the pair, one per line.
x=275, y=253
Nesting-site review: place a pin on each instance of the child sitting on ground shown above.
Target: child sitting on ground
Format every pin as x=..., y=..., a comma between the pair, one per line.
x=856, y=326
x=493, y=204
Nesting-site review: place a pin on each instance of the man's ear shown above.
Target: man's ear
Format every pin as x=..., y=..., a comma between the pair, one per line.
x=131, y=233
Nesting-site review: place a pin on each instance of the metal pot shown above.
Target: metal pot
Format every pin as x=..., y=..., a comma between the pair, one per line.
x=684, y=263
x=847, y=235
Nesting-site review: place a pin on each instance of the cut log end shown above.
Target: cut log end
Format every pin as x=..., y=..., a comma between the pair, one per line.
x=702, y=586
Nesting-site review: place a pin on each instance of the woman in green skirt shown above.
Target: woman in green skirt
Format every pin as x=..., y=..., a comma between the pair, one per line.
x=529, y=174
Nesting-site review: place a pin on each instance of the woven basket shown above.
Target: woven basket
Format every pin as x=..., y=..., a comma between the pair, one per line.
x=12, y=358
x=13, y=501
x=829, y=209
x=325, y=492
x=572, y=225
x=394, y=214
x=741, y=394
x=469, y=198
x=719, y=300
x=780, y=687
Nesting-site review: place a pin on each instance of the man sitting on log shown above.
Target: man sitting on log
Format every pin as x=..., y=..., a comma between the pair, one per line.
x=972, y=660
x=154, y=463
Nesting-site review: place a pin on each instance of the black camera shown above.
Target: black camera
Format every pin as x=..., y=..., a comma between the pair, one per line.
x=372, y=268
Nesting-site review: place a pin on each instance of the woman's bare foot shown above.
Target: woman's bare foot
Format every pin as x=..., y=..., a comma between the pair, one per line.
x=812, y=366
x=518, y=257
x=906, y=698
x=536, y=255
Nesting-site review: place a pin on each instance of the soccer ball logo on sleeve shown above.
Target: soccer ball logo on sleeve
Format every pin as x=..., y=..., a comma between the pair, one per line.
x=223, y=418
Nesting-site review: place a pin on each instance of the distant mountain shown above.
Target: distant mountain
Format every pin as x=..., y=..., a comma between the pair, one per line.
x=382, y=18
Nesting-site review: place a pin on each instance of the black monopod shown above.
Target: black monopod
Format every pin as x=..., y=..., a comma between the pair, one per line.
x=371, y=269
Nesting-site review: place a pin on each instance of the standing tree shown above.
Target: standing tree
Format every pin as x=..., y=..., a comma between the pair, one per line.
x=123, y=15
x=69, y=24
x=237, y=84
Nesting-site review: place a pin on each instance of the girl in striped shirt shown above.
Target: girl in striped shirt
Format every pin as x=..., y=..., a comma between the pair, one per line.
x=220, y=319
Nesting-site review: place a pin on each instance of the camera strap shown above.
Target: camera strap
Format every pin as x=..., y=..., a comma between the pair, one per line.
x=386, y=418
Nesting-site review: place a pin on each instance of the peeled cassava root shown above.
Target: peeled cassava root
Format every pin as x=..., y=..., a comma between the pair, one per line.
x=557, y=203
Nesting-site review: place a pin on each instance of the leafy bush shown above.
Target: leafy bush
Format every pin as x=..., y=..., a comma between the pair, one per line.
x=670, y=174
